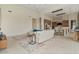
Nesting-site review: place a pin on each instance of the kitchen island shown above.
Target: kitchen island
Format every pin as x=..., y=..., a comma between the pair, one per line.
x=44, y=35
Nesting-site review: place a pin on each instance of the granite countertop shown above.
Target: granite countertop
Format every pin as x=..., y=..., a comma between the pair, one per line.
x=76, y=30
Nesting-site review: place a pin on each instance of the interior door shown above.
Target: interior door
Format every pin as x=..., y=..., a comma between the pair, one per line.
x=34, y=23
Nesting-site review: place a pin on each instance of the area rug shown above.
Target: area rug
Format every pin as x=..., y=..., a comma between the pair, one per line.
x=24, y=42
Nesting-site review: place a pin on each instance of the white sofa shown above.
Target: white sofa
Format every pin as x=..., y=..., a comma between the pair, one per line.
x=44, y=35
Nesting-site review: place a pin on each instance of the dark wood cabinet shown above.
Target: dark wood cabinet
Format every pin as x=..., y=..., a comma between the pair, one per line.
x=65, y=23
x=77, y=36
x=54, y=24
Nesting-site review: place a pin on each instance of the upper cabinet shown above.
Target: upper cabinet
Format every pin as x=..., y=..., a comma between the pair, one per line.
x=65, y=23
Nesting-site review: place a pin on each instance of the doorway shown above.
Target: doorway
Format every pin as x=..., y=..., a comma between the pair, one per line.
x=34, y=23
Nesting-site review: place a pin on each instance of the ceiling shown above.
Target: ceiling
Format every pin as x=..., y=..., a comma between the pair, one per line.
x=48, y=8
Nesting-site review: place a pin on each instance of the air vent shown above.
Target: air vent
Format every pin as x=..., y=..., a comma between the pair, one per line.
x=60, y=14
x=57, y=10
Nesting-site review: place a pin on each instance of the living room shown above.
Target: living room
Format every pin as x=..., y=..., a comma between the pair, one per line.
x=33, y=28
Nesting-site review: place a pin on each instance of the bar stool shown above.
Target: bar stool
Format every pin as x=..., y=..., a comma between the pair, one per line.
x=33, y=38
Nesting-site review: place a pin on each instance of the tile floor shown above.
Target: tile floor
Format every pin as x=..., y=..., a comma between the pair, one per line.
x=57, y=45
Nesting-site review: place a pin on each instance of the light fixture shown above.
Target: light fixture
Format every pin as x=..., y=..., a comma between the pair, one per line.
x=60, y=14
x=9, y=11
x=57, y=10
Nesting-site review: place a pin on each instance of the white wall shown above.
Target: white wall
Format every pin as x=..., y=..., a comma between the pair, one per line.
x=0, y=17
x=73, y=16
x=17, y=22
